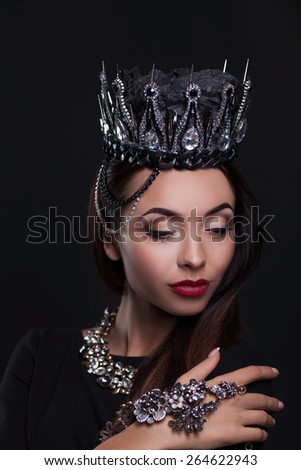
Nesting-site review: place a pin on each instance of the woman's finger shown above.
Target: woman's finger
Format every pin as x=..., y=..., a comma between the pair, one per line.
x=258, y=401
x=258, y=418
x=247, y=375
x=203, y=369
x=253, y=434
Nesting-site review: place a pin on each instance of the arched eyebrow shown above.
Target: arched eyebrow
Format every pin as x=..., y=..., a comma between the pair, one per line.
x=170, y=213
x=220, y=207
x=163, y=211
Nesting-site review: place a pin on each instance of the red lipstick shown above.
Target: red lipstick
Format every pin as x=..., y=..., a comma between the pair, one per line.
x=189, y=288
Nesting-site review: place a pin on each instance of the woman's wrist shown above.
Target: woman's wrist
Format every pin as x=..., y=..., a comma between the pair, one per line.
x=139, y=436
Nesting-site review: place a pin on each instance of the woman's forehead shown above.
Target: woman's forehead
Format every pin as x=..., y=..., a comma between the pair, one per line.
x=185, y=189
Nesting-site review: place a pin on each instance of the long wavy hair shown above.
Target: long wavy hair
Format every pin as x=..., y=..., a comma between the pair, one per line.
x=219, y=323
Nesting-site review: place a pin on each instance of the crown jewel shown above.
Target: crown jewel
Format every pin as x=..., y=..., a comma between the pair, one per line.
x=180, y=120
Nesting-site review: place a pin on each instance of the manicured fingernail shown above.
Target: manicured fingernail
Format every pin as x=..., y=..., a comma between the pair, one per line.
x=275, y=370
x=280, y=405
x=213, y=352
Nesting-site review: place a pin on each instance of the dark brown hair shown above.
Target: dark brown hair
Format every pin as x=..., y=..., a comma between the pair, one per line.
x=219, y=323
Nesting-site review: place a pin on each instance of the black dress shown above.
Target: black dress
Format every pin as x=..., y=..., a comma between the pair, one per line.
x=49, y=401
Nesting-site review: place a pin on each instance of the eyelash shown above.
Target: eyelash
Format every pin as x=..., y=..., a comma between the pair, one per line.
x=159, y=234
x=163, y=234
x=220, y=231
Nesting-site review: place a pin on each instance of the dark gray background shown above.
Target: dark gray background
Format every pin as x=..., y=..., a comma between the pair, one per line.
x=51, y=52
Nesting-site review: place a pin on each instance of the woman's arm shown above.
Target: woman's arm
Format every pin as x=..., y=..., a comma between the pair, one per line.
x=237, y=420
x=14, y=394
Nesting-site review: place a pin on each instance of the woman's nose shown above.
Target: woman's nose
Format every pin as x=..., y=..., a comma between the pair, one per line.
x=191, y=253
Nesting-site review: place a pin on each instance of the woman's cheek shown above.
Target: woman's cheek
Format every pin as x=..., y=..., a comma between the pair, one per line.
x=223, y=253
x=150, y=255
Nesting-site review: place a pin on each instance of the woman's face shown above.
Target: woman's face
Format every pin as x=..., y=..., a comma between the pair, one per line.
x=181, y=233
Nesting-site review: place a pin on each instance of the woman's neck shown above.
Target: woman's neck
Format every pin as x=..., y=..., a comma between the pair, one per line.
x=139, y=327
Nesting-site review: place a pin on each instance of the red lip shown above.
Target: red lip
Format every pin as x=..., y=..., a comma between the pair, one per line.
x=188, y=288
x=189, y=282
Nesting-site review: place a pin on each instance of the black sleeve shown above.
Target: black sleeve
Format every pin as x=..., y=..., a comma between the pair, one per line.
x=14, y=392
x=235, y=357
x=241, y=355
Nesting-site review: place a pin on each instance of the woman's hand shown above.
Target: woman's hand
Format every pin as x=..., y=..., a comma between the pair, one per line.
x=230, y=423
x=237, y=420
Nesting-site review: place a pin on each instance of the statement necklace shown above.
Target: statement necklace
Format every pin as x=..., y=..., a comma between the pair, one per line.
x=98, y=360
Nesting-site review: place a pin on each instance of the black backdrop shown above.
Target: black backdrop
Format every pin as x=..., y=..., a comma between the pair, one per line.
x=51, y=53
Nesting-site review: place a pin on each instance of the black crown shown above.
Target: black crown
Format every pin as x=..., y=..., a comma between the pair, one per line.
x=205, y=133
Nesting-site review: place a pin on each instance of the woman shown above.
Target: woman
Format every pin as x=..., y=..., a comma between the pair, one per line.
x=169, y=208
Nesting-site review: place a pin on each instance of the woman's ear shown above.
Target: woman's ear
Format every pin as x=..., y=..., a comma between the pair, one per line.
x=112, y=250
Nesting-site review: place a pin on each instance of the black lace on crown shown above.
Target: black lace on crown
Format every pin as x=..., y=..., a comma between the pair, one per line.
x=166, y=139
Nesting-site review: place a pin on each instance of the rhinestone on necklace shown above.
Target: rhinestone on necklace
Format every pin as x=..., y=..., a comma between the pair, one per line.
x=98, y=360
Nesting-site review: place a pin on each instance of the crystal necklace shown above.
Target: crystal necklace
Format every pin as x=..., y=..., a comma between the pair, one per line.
x=98, y=360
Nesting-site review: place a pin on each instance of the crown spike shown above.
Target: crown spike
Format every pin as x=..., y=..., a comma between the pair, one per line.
x=153, y=73
x=102, y=114
x=132, y=115
x=191, y=73
x=117, y=69
x=99, y=102
x=246, y=70
x=225, y=65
